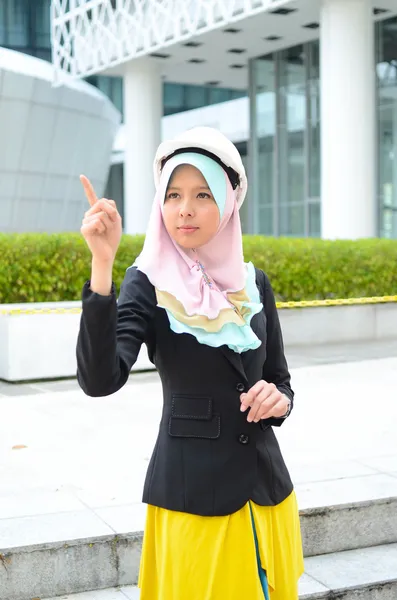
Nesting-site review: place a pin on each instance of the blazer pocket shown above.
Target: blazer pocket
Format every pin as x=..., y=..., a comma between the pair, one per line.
x=192, y=428
x=191, y=416
x=191, y=407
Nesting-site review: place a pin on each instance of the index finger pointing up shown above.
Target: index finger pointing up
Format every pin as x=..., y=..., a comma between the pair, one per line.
x=89, y=190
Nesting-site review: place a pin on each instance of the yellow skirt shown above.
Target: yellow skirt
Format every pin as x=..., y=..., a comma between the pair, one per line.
x=189, y=557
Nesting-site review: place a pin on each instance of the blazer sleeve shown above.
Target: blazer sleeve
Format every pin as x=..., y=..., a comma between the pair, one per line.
x=275, y=369
x=112, y=333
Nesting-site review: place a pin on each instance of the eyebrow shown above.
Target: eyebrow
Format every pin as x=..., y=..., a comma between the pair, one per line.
x=201, y=187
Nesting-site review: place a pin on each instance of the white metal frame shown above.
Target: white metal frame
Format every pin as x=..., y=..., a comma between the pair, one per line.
x=89, y=36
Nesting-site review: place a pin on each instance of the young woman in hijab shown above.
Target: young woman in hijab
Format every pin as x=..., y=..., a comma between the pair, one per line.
x=222, y=520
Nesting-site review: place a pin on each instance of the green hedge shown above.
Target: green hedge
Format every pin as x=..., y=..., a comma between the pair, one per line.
x=43, y=268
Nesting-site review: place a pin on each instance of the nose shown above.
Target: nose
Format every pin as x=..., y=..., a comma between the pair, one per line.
x=186, y=209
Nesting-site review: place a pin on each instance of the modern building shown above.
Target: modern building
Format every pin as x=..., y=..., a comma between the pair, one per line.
x=47, y=133
x=322, y=93
x=307, y=89
x=47, y=139
x=31, y=198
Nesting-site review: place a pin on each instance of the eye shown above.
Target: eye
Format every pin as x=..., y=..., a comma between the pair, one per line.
x=172, y=195
x=204, y=195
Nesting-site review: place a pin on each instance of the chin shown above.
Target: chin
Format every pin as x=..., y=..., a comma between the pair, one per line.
x=190, y=241
x=187, y=244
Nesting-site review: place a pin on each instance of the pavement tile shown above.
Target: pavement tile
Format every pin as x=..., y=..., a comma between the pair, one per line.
x=43, y=529
x=354, y=567
x=37, y=503
x=15, y=389
x=131, y=592
x=308, y=587
x=384, y=464
x=109, y=594
x=320, y=471
x=124, y=519
x=346, y=491
x=95, y=451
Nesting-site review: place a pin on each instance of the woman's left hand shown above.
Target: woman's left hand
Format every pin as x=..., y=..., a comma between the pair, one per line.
x=264, y=401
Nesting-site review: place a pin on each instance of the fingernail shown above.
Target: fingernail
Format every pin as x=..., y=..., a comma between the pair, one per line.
x=243, y=408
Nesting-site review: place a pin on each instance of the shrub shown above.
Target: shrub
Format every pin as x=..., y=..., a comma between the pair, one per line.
x=54, y=267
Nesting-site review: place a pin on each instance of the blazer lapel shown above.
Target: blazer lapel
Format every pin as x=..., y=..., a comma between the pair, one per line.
x=235, y=360
x=258, y=324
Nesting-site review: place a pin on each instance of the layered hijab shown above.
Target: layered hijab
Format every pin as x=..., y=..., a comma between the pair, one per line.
x=208, y=292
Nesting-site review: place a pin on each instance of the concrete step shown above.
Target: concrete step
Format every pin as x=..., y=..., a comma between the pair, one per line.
x=54, y=560
x=368, y=574
x=337, y=528
x=362, y=574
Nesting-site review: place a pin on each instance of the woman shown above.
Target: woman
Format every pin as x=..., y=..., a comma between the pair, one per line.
x=222, y=518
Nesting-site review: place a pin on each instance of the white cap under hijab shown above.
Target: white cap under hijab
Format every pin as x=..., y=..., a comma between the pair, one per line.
x=208, y=139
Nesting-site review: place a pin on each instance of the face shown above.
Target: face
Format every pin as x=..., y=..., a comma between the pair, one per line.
x=190, y=213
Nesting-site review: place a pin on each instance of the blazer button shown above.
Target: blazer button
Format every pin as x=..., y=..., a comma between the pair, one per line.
x=240, y=387
x=243, y=439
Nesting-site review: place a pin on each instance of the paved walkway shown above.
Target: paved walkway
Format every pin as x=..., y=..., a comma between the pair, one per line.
x=72, y=467
x=124, y=593
x=64, y=454
x=297, y=357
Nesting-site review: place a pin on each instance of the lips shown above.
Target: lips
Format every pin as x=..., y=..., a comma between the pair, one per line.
x=187, y=228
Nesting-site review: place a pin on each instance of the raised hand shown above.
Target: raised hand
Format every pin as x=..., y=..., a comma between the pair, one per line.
x=101, y=228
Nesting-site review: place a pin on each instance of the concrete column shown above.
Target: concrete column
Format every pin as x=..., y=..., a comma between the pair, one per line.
x=348, y=188
x=143, y=109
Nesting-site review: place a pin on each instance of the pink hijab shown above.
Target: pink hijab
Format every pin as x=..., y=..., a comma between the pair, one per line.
x=184, y=273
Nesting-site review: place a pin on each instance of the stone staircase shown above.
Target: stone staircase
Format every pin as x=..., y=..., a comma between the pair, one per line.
x=350, y=550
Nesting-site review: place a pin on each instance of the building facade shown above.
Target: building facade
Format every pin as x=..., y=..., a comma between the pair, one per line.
x=307, y=89
x=45, y=136
x=322, y=96
x=42, y=155
x=287, y=125
x=25, y=26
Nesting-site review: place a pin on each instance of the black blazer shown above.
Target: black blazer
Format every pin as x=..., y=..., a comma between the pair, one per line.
x=207, y=460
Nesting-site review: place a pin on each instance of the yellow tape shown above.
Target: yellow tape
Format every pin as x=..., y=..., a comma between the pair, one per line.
x=301, y=304
x=40, y=311
x=337, y=302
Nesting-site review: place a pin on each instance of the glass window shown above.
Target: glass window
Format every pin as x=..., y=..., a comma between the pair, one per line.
x=42, y=27
x=43, y=54
x=386, y=70
x=287, y=143
x=244, y=212
x=389, y=223
x=112, y=87
x=291, y=132
x=16, y=22
x=314, y=119
x=266, y=219
x=104, y=84
x=235, y=94
x=315, y=219
x=178, y=97
x=115, y=187
x=3, y=39
x=26, y=26
x=216, y=95
x=196, y=96
x=266, y=110
x=173, y=98
x=117, y=93
x=292, y=219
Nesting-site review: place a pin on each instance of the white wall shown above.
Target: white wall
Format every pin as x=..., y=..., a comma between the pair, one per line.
x=48, y=136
